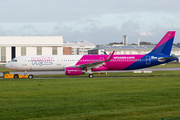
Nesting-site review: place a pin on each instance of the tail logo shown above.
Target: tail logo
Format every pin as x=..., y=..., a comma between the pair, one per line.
x=169, y=34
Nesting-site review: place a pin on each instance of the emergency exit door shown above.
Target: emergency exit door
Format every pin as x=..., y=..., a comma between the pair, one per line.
x=148, y=60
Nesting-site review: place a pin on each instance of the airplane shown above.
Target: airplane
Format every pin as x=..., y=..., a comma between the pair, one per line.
x=81, y=64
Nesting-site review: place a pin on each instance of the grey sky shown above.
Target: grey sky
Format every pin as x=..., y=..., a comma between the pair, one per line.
x=98, y=21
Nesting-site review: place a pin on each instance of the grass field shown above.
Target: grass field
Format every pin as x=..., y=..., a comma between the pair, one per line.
x=167, y=65
x=140, y=98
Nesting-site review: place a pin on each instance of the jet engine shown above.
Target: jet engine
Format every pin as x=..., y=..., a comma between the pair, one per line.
x=74, y=71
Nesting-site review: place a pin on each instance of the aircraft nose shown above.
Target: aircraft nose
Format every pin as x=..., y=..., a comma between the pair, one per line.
x=7, y=66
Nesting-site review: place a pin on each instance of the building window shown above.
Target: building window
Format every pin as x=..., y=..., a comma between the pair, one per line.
x=13, y=52
x=54, y=50
x=39, y=50
x=3, y=54
x=23, y=51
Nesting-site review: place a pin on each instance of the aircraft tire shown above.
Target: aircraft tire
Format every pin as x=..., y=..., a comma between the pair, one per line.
x=16, y=76
x=30, y=76
x=91, y=75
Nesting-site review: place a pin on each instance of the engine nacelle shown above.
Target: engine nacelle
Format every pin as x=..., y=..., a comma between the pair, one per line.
x=74, y=71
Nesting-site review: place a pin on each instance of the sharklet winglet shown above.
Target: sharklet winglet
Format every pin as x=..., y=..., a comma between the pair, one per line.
x=110, y=56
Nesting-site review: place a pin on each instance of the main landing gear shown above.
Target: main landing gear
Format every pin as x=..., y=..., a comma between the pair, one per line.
x=29, y=76
x=91, y=75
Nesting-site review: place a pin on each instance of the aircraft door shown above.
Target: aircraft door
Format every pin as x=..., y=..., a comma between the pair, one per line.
x=148, y=60
x=24, y=61
x=58, y=60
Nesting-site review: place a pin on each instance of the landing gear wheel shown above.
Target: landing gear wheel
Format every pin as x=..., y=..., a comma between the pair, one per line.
x=16, y=76
x=91, y=75
x=30, y=76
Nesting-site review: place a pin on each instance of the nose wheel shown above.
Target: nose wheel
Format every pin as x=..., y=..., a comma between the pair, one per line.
x=91, y=75
x=30, y=76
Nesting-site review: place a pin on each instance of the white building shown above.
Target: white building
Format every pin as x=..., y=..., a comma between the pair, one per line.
x=14, y=46
x=80, y=48
x=120, y=50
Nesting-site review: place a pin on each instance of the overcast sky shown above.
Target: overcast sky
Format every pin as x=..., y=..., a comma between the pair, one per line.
x=97, y=21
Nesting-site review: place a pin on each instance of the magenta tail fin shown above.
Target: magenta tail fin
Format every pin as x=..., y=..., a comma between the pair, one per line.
x=165, y=45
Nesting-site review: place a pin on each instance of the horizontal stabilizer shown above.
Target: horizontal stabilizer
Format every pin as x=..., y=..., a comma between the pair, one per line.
x=162, y=59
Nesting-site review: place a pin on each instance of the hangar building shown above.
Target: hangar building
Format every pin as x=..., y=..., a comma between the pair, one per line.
x=14, y=46
x=80, y=48
x=133, y=49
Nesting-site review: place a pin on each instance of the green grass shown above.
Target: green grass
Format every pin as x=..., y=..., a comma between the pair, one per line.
x=4, y=69
x=168, y=65
x=141, y=98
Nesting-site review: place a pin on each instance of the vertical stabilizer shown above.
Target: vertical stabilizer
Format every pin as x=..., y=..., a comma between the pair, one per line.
x=165, y=45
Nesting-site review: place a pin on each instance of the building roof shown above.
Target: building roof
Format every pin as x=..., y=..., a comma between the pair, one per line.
x=76, y=43
x=129, y=47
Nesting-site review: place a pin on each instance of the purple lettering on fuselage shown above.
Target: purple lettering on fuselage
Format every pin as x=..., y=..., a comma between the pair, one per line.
x=42, y=60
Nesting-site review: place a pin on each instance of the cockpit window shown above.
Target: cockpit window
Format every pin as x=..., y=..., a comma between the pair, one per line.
x=13, y=60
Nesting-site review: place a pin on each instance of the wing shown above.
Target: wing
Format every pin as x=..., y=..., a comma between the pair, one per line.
x=94, y=64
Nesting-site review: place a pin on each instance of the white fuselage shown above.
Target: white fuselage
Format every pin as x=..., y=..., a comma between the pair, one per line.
x=39, y=62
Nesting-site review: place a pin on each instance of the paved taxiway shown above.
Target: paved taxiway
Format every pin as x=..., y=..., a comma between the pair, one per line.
x=62, y=72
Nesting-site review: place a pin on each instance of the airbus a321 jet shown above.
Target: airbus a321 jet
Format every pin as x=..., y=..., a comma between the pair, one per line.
x=81, y=64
